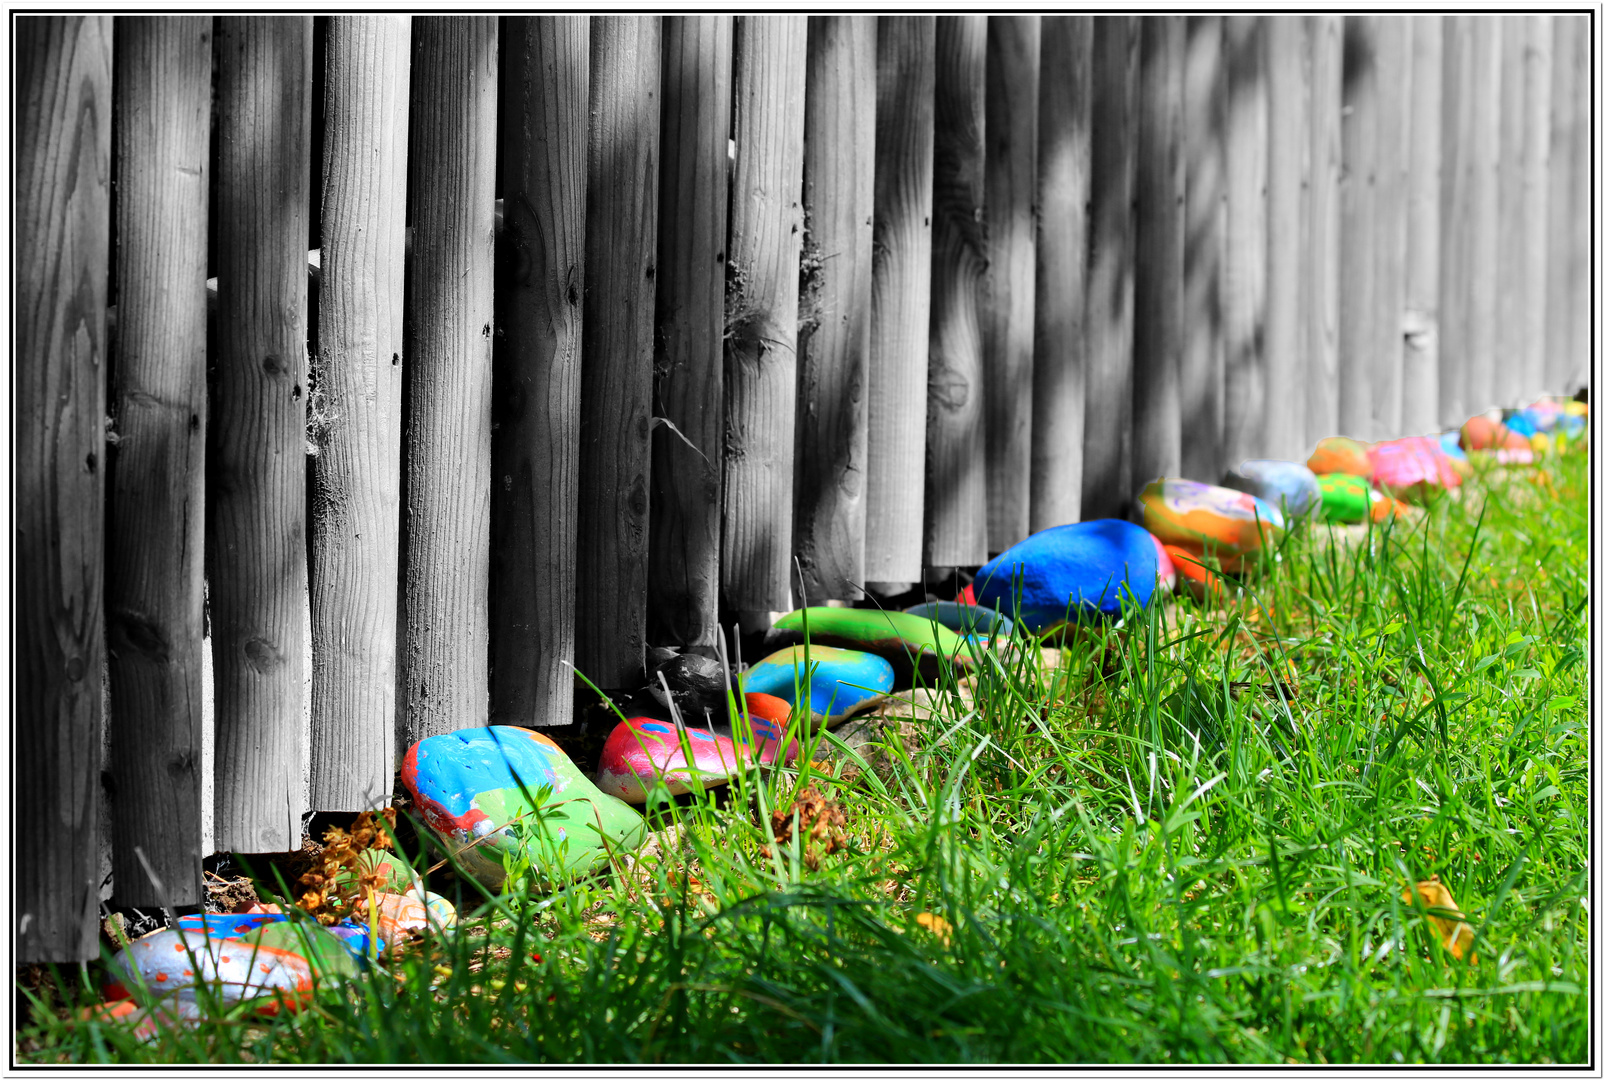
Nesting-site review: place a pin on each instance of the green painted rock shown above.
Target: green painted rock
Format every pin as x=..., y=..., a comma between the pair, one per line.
x=909, y=642
x=1345, y=498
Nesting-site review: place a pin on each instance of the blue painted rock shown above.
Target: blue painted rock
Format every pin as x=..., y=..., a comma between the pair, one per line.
x=910, y=643
x=1071, y=572
x=965, y=618
x=642, y=752
x=1206, y=520
x=837, y=683
x=487, y=784
x=1286, y=485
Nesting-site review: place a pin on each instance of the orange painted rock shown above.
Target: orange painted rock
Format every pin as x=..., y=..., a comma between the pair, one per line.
x=1339, y=455
x=1480, y=433
x=1204, y=519
x=1200, y=581
x=770, y=717
x=641, y=752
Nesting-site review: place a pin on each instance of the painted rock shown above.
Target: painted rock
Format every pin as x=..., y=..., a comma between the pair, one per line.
x=142, y=1022
x=641, y=751
x=1576, y=408
x=401, y=913
x=770, y=716
x=486, y=784
x=697, y=683
x=1480, y=433
x=1339, y=455
x=1540, y=443
x=1515, y=456
x=1204, y=519
x=1525, y=422
x=1071, y=573
x=1285, y=485
x=910, y=643
x=1201, y=582
x=1412, y=469
x=966, y=595
x=843, y=683
x=965, y=618
x=1347, y=499
x=1166, y=565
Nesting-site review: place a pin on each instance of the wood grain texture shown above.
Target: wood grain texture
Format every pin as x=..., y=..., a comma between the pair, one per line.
x=616, y=379
x=1486, y=98
x=1418, y=387
x=1456, y=220
x=1568, y=310
x=1110, y=282
x=1361, y=108
x=1322, y=254
x=832, y=425
x=62, y=214
x=156, y=505
x=449, y=328
x=1538, y=75
x=1247, y=180
x=356, y=476
x=1394, y=50
x=1287, y=82
x=1203, y=350
x=955, y=421
x=1160, y=254
x=687, y=472
x=899, y=324
x=1064, y=169
x=540, y=282
x=1513, y=287
x=256, y=561
x=765, y=248
x=1013, y=97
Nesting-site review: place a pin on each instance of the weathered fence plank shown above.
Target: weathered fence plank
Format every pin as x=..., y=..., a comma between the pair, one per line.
x=1457, y=220
x=693, y=203
x=1013, y=93
x=833, y=336
x=540, y=283
x=955, y=424
x=1286, y=290
x=1064, y=166
x=1160, y=253
x=1394, y=48
x=1361, y=106
x=1513, y=287
x=765, y=247
x=1470, y=328
x=899, y=324
x=356, y=476
x=256, y=564
x=156, y=506
x=1568, y=313
x=1203, y=348
x=450, y=314
x=1321, y=266
x=1538, y=75
x=616, y=378
x=63, y=214
x=1418, y=386
x=1247, y=178
x=1110, y=284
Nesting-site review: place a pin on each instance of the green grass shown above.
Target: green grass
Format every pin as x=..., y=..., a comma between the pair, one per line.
x=1186, y=842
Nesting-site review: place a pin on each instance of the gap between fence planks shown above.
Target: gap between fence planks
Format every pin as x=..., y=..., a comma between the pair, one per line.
x=833, y=333
x=156, y=504
x=449, y=334
x=540, y=282
x=687, y=458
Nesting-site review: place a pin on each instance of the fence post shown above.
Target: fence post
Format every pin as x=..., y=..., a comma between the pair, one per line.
x=1203, y=346
x=1512, y=289
x=1357, y=304
x=63, y=215
x=1394, y=48
x=1457, y=219
x=534, y=445
x=256, y=517
x=899, y=323
x=1538, y=76
x=1568, y=304
x=1322, y=257
x=1286, y=291
x=1479, y=317
x=1247, y=177
x=1110, y=284
x=1013, y=93
x=615, y=399
x=450, y=314
x=156, y=507
x=1063, y=189
x=765, y=249
x=833, y=334
x=1418, y=390
x=955, y=423
x=693, y=204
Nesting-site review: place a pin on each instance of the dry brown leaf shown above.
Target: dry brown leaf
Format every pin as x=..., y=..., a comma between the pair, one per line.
x=1444, y=916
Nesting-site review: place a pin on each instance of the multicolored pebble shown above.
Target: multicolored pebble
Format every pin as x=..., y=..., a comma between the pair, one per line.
x=969, y=619
x=1346, y=499
x=1340, y=455
x=1166, y=565
x=1070, y=573
x=1481, y=433
x=1203, y=583
x=910, y=643
x=1412, y=469
x=479, y=790
x=1204, y=519
x=1285, y=485
x=770, y=716
x=839, y=682
x=642, y=752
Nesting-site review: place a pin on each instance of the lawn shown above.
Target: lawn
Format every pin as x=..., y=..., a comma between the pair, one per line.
x=1184, y=838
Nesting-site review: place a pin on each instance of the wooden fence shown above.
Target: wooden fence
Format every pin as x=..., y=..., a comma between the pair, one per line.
x=607, y=319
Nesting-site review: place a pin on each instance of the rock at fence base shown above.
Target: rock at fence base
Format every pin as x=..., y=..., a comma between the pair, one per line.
x=1481, y=433
x=142, y=1022
x=969, y=618
x=496, y=794
x=770, y=718
x=697, y=683
x=1201, y=582
x=837, y=683
x=1285, y=485
x=642, y=752
x=1347, y=500
x=1206, y=520
x=911, y=644
x=1337, y=454
x=1412, y=469
x=1087, y=570
x=1166, y=565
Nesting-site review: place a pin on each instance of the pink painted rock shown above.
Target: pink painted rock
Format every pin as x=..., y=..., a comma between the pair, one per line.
x=642, y=751
x=770, y=716
x=1413, y=468
x=1166, y=566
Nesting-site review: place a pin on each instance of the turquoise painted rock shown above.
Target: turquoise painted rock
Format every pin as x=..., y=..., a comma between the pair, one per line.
x=965, y=618
x=496, y=795
x=1288, y=486
x=839, y=682
x=1077, y=572
x=642, y=752
x=910, y=643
